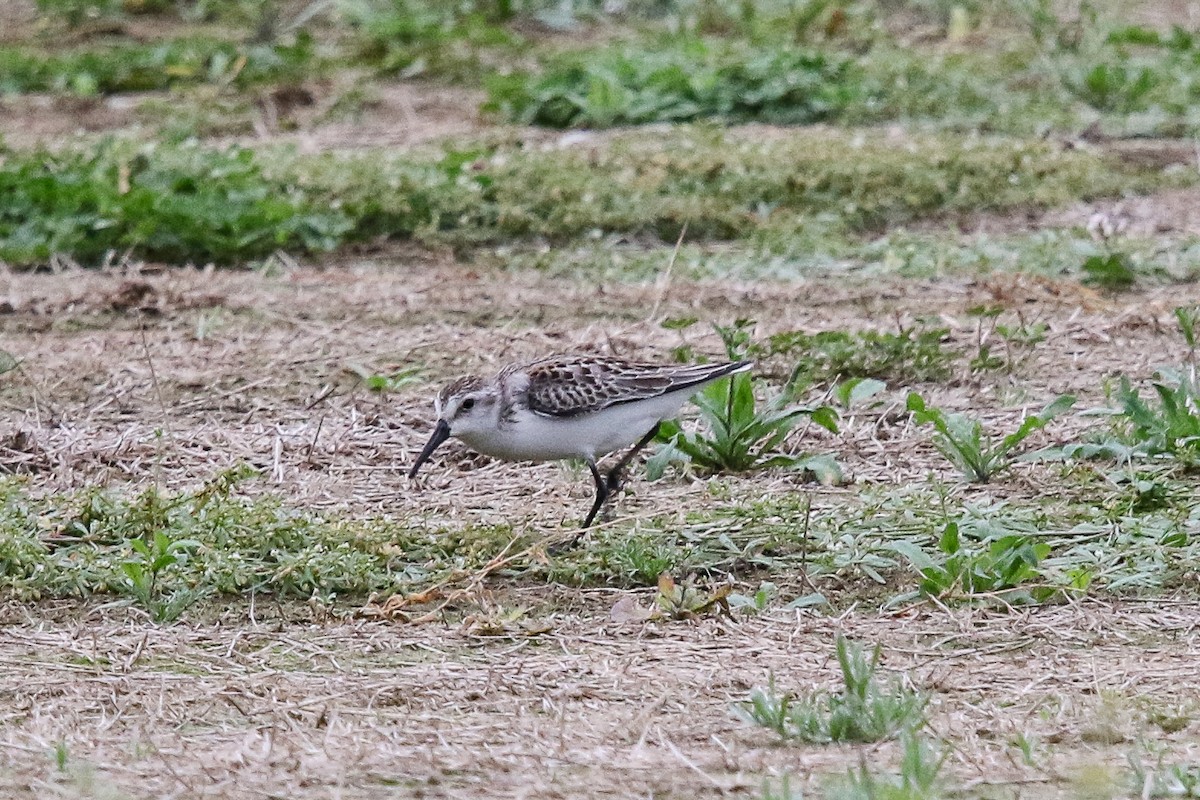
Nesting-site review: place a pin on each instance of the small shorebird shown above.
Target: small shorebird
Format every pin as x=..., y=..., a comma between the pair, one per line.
x=573, y=406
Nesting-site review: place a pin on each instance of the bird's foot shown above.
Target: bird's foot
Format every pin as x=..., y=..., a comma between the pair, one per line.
x=565, y=546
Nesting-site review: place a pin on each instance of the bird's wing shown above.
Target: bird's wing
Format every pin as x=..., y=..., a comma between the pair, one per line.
x=566, y=386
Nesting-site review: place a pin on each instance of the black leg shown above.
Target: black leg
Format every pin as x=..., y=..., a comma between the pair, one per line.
x=601, y=496
x=604, y=488
x=614, y=474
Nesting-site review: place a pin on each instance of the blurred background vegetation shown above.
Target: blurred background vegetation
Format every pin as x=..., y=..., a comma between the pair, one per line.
x=169, y=130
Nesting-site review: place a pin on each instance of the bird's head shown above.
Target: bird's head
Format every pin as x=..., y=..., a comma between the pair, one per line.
x=464, y=407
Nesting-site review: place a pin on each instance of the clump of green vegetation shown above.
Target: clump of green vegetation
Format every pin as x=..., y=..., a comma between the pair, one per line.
x=919, y=778
x=166, y=550
x=1113, y=271
x=75, y=12
x=182, y=204
x=1006, y=568
x=1017, y=340
x=150, y=561
x=451, y=41
x=865, y=710
x=914, y=355
x=741, y=437
x=189, y=203
x=136, y=67
x=962, y=440
x=680, y=81
x=1170, y=427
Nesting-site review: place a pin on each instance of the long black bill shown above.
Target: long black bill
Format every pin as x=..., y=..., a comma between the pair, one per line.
x=440, y=434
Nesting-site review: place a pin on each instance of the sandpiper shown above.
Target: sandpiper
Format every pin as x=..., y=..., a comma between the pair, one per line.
x=568, y=407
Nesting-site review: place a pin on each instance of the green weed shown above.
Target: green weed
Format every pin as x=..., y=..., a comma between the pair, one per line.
x=75, y=12
x=757, y=602
x=1008, y=567
x=680, y=81
x=1170, y=427
x=1017, y=340
x=914, y=355
x=212, y=542
x=919, y=778
x=1188, y=318
x=385, y=382
x=149, y=562
x=164, y=65
x=865, y=710
x=962, y=440
x=188, y=203
x=1113, y=271
x=742, y=437
x=62, y=756
x=451, y=41
x=174, y=204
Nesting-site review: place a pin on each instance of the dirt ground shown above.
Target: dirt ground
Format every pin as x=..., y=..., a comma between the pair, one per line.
x=270, y=700
x=594, y=708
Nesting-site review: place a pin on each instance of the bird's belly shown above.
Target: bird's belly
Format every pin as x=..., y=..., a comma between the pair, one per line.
x=538, y=437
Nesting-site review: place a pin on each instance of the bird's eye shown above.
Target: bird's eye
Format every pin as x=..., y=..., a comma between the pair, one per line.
x=467, y=404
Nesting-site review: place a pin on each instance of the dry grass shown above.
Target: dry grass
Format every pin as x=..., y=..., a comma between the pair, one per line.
x=270, y=700
x=288, y=707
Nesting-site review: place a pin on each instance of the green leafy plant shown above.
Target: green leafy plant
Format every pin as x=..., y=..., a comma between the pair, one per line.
x=1114, y=86
x=1188, y=317
x=384, y=382
x=742, y=437
x=865, y=710
x=680, y=80
x=1170, y=427
x=912, y=355
x=962, y=440
x=1018, y=340
x=454, y=41
x=919, y=779
x=1008, y=567
x=141, y=67
x=174, y=204
x=148, y=564
x=755, y=603
x=684, y=601
x=642, y=559
x=1113, y=271
x=854, y=391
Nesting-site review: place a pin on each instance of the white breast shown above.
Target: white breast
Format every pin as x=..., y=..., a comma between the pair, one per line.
x=539, y=437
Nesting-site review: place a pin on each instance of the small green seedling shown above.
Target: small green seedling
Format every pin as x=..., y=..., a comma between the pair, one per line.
x=757, y=602
x=919, y=779
x=147, y=565
x=1172, y=426
x=384, y=382
x=962, y=439
x=1188, y=318
x=865, y=710
x=742, y=437
x=1113, y=272
x=1009, y=565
